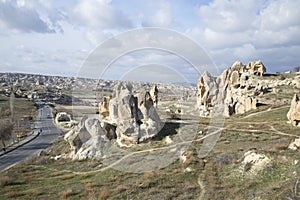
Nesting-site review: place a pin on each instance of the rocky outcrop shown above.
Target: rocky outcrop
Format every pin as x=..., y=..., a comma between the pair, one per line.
x=295, y=144
x=65, y=120
x=134, y=116
x=294, y=113
x=207, y=90
x=231, y=90
x=254, y=162
x=87, y=140
x=256, y=68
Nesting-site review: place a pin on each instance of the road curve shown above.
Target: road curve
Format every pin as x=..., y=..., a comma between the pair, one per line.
x=49, y=133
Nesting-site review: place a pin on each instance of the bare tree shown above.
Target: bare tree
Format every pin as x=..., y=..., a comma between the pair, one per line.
x=6, y=128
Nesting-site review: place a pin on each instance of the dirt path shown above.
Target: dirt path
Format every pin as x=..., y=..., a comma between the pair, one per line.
x=202, y=187
x=253, y=114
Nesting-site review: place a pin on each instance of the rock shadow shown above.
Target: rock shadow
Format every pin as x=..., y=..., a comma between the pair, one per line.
x=170, y=128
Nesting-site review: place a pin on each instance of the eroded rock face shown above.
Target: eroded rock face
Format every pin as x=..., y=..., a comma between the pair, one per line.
x=104, y=107
x=294, y=113
x=134, y=116
x=207, y=90
x=256, y=68
x=231, y=90
x=87, y=140
x=154, y=94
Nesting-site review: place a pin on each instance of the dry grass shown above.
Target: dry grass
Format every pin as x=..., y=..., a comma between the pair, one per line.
x=14, y=194
x=103, y=194
x=148, y=175
x=67, y=193
x=34, y=192
x=66, y=176
x=5, y=180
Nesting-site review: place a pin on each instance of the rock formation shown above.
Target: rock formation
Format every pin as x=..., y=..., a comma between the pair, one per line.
x=294, y=113
x=256, y=68
x=154, y=94
x=135, y=117
x=254, y=162
x=295, y=144
x=65, y=120
x=231, y=90
x=126, y=117
x=104, y=107
x=87, y=140
x=62, y=117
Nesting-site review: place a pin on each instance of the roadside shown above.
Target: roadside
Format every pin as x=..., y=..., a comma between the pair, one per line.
x=29, y=138
x=35, y=133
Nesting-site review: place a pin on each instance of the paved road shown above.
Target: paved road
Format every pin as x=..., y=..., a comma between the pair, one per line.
x=49, y=133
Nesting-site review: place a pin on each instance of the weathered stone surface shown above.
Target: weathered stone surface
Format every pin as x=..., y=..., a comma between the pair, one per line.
x=87, y=140
x=254, y=162
x=104, y=107
x=294, y=113
x=230, y=90
x=135, y=117
x=256, y=68
x=295, y=144
x=207, y=90
x=235, y=79
x=154, y=94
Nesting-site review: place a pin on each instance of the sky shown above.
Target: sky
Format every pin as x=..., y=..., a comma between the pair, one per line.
x=57, y=37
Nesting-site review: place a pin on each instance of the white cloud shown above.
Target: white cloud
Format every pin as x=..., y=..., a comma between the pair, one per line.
x=99, y=19
x=163, y=17
x=249, y=30
x=25, y=16
x=100, y=14
x=18, y=18
x=229, y=15
x=280, y=15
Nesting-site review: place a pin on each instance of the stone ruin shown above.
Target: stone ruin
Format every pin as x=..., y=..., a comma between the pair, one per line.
x=231, y=89
x=294, y=113
x=124, y=116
